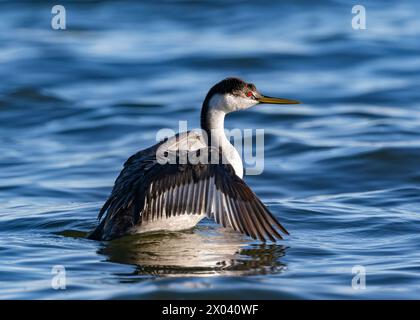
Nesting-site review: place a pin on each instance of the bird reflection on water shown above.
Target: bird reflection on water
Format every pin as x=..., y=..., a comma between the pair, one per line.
x=195, y=253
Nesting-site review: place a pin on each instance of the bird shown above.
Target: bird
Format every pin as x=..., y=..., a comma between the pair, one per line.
x=175, y=183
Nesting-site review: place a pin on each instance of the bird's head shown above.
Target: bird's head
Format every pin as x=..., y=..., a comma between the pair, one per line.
x=234, y=94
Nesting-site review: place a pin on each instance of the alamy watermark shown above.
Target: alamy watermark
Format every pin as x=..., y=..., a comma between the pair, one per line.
x=358, y=22
x=58, y=21
x=241, y=139
x=359, y=279
x=58, y=281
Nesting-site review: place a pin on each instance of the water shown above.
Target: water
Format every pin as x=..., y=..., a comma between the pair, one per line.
x=342, y=171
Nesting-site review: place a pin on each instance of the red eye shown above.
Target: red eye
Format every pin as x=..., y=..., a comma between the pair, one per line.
x=249, y=94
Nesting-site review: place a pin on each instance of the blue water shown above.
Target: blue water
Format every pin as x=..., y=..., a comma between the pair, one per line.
x=342, y=171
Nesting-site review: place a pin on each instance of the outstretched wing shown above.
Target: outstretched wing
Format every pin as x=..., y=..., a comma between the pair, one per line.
x=148, y=190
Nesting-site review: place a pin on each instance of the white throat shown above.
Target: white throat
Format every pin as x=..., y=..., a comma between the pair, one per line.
x=215, y=121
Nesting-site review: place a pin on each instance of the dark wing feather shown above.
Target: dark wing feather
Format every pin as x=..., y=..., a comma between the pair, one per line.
x=146, y=190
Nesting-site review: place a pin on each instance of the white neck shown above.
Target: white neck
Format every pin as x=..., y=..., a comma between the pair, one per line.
x=216, y=128
x=212, y=121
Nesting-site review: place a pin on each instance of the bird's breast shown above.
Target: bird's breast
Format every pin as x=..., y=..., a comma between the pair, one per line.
x=173, y=223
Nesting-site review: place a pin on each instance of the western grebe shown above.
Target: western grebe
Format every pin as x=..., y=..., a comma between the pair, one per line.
x=154, y=195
